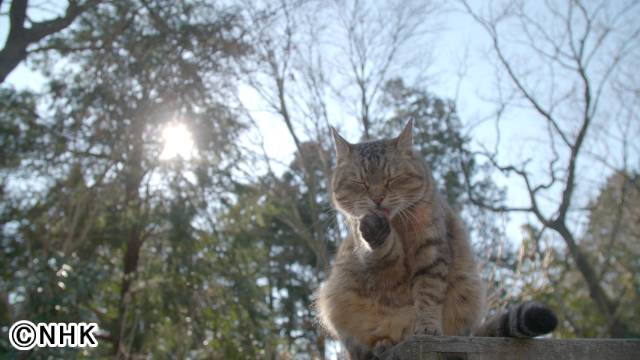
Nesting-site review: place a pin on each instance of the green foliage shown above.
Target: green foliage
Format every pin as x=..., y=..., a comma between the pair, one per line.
x=95, y=227
x=229, y=276
x=611, y=244
x=437, y=133
x=19, y=132
x=439, y=139
x=198, y=257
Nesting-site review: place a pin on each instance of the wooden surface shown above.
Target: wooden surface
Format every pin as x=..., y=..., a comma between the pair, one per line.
x=479, y=348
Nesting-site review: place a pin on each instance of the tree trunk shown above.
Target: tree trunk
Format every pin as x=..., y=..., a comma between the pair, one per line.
x=608, y=309
x=10, y=56
x=133, y=206
x=19, y=38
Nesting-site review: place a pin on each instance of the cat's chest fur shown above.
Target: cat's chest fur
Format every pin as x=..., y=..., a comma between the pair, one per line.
x=420, y=225
x=391, y=284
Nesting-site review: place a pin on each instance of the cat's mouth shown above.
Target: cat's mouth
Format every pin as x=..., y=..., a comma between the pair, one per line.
x=386, y=212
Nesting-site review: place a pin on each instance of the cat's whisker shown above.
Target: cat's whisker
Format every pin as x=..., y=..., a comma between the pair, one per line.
x=407, y=219
x=413, y=220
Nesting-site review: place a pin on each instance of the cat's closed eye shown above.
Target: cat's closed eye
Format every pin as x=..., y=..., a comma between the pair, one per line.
x=401, y=179
x=392, y=181
x=352, y=185
x=359, y=184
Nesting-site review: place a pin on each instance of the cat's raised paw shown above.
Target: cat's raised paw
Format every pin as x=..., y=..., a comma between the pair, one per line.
x=374, y=228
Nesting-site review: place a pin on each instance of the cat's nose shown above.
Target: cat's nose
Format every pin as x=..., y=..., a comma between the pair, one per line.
x=378, y=199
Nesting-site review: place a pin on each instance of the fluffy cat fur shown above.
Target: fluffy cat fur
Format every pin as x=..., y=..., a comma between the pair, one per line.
x=407, y=266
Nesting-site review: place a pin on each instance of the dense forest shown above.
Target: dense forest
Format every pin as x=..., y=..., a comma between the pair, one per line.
x=166, y=164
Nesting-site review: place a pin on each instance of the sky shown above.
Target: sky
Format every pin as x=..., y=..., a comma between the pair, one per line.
x=459, y=44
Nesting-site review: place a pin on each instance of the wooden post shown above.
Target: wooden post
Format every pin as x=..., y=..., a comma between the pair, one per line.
x=483, y=348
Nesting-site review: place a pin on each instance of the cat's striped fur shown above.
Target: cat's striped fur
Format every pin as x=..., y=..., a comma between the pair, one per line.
x=406, y=267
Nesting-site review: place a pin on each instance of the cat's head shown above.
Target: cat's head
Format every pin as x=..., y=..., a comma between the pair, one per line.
x=383, y=175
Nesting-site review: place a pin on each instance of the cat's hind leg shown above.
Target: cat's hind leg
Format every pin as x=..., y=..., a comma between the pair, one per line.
x=464, y=304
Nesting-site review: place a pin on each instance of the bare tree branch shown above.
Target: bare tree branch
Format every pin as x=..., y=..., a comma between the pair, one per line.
x=20, y=37
x=574, y=56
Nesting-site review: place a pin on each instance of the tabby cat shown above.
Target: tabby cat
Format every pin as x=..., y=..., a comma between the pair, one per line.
x=407, y=267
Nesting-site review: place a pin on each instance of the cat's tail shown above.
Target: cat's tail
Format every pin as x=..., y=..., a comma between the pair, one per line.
x=524, y=320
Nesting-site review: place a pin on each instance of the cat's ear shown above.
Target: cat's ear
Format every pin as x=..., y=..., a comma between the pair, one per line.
x=405, y=139
x=343, y=148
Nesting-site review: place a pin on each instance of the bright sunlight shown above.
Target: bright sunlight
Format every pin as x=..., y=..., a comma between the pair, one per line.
x=177, y=142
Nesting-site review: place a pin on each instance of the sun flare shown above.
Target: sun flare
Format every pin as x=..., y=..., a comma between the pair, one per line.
x=177, y=142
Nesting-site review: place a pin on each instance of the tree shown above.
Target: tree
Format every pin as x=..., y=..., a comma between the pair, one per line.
x=289, y=268
x=581, y=48
x=24, y=32
x=378, y=41
x=105, y=205
x=268, y=75
x=289, y=74
x=438, y=137
x=610, y=242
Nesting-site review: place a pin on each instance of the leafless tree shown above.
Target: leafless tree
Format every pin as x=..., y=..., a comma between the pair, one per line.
x=360, y=44
x=270, y=76
x=380, y=40
x=310, y=60
x=560, y=66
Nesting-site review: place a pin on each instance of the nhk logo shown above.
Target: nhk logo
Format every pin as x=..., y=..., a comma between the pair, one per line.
x=25, y=335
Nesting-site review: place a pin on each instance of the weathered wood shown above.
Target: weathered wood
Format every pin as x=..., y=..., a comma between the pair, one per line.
x=482, y=348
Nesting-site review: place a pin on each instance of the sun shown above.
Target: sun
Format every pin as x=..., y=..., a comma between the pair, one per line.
x=177, y=142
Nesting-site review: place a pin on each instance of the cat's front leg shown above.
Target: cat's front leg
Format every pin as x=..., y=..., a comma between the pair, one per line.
x=428, y=287
x=428, y=298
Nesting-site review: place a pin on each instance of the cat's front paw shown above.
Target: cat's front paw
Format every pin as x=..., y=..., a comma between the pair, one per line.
x=381, y=347
x=374, y=228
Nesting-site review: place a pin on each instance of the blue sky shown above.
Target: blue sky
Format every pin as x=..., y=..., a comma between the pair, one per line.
x=463, y=44
x=460, y=43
